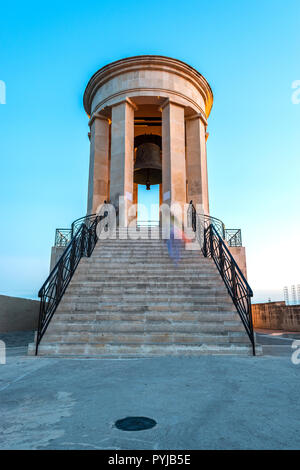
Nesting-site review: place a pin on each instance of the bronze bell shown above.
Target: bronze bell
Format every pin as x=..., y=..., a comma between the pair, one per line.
x=147, y=167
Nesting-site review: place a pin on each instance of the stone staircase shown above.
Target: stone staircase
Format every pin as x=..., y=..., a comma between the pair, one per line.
x=129, y=299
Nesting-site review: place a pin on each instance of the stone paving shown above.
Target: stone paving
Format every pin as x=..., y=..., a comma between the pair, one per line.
x=206, y=402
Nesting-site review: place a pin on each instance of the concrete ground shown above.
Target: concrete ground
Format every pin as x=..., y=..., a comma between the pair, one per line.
x=207, y=402
x=276, y=342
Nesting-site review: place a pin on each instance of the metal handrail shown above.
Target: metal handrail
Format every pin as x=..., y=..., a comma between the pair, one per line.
x=51, y=292
x=207, y=219
x=87, y=220
x=213, y=245
x=233, y=237
x=62, y=236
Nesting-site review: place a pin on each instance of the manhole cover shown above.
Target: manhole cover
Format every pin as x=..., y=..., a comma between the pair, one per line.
x=135, y=423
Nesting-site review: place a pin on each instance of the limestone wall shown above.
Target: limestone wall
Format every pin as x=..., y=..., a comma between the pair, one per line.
x=17, y=314
x=239, y=254
x=276, y=316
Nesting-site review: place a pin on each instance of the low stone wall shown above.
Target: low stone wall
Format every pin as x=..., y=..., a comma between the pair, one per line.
x=276, y=316
x=17, y=314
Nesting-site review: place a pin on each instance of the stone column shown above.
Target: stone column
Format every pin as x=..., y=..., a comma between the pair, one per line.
x=122, y=148
x=99, y=163
x=160, y=195
x=173, y=154
x=196, y=162
x=135, y=193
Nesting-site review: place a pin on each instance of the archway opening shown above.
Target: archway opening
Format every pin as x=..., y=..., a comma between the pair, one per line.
x=148, y=206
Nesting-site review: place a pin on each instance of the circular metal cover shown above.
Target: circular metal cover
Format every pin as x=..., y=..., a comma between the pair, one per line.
x=135, y=423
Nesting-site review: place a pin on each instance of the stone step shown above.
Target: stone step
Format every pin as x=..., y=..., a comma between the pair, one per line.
x=166, y=317
x=156, y=238
x=101, y=284
x=127, y=239
x=68, y=306
x=168, y=266
x=126, y=280
x=108, y=326
x=133, y=281
x=133, y=234
x=109, y=350
x=145, y=251
x=148, y=252
x=139, y=243
x=185, y=276
x=145, y=338
x=136, y=245
x=151, y=297
x=163, y=259
x=146, y=300
x=155, y=258
x=115, y=274
x=153, y=272
x=147, y=239
x=158, y=262
x=145, y=291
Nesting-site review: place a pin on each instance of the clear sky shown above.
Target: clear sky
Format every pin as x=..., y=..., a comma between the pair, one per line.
x=249, y=53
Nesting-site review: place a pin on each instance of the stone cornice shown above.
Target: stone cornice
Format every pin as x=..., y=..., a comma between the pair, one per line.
x=97, y=116
x=128, y=101
x=155, y=91
x=147, y=62
x=197, y=116
x=168, y=101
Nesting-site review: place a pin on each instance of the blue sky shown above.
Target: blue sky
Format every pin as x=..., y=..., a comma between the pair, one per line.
x=249, y=53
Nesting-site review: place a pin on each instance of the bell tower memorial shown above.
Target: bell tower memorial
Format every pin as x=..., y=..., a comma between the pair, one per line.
x=148, y=118
x=118, y=287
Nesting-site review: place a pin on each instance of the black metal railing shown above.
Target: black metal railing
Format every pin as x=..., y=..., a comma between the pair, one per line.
x=206, y=220
x=62, y=236
x=233, y=236
x=213, y=245
x=81, y=244
x=88, y=220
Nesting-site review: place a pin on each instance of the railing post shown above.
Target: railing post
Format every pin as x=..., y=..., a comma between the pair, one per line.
x=91, y=238
x=193, y=217
x=82, y=239
x=98, y=219
x=223, y=231
x=204, y=241
x=233, y=280
x=89, y=241
x=72, y=256
x=211, y=241
x=251, y=326
x=59, y=280
x=221, y=255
